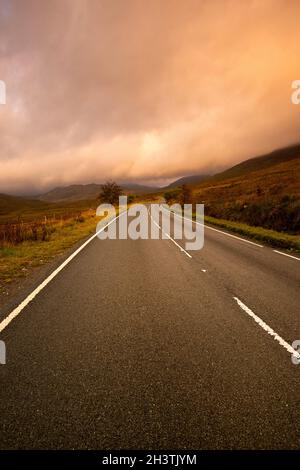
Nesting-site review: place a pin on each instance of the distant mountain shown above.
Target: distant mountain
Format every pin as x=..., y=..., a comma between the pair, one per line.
x=77, y=192
x=70, y=193
x=260, y=163
x=193, y=179
x=133, y=188
x=247, y=166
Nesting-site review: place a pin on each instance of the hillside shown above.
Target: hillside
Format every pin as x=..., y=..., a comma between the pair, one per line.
x=193, y=179
x=262, y=191
x=261, y=162
x=269, y=197
x=247, y=166
x=77, y=192
x=14, y=208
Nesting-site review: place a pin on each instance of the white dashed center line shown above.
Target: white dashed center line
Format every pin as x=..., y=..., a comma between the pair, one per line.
x=170, y=238
x=267, y=328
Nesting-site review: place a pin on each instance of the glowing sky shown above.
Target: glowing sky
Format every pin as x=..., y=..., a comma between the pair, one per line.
x=143, y=91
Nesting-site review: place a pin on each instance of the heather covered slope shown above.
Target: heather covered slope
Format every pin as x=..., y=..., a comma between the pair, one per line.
x=267, y=197
x=282, y=155
x=262, y=191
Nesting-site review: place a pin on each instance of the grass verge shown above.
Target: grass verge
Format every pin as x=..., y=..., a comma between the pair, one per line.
x=273, y=238
x=18, y=260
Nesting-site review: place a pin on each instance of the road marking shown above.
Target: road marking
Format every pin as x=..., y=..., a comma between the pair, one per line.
x=170, y=238
x=203, y=270
x=216, y=230
x=285, y=254
x=4, y=323
x=267, y=328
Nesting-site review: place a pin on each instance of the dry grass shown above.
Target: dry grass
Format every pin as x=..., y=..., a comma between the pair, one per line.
x=268, y=198
x=16, y=233
x=19, y=257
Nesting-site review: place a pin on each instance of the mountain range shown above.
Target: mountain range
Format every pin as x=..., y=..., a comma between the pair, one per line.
x=81, y=193
x=77, y=192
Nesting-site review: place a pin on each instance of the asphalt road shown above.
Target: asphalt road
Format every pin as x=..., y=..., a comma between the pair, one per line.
x=136, y=345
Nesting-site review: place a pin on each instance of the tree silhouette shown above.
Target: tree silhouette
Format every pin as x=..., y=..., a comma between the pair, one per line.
x=110, y=192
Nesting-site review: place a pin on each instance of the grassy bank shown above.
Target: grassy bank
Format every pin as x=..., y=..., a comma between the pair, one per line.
x=276, y=239
x=262, y=192
x=17, y=260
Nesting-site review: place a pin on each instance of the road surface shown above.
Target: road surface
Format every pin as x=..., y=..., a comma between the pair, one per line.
x=134, y=344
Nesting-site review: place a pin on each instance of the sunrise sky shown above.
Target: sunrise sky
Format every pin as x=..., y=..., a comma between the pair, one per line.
x=143, y=91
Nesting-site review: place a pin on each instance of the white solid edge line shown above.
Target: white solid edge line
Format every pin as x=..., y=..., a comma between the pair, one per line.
x=216, y=230
x=4, y=323
x=267, y=328
x=286, y=254
x=170, y=238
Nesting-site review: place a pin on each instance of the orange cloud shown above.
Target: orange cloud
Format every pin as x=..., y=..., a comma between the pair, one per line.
x=143, y=91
